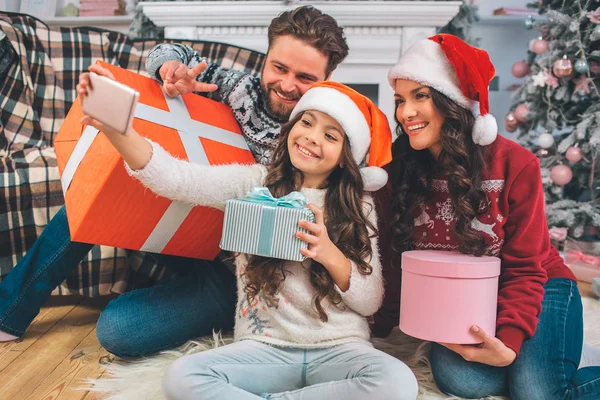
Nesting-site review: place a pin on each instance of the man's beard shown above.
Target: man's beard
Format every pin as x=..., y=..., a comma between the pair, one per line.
x=278, y=109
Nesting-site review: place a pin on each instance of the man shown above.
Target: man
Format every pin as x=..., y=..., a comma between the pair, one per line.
x=305, y=46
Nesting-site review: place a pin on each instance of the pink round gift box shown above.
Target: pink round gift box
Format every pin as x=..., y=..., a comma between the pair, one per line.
x=445, y=293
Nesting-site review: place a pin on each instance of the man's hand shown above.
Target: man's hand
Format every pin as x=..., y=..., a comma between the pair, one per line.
x=179, y=79
x=491, y=352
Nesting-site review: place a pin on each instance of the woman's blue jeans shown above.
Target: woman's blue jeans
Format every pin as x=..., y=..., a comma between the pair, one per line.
x=198, y=298
x=546, y=368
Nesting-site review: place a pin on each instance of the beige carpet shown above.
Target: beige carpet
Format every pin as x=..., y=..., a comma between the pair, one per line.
x=140, y=380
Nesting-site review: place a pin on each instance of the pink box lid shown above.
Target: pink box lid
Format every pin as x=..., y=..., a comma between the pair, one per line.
x=450, y=264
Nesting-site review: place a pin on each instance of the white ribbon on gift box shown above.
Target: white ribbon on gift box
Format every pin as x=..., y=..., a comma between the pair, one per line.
x=190, y=131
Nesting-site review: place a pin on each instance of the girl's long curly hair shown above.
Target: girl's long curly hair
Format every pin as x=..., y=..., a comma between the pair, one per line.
x=345, y=219
x=460, y=160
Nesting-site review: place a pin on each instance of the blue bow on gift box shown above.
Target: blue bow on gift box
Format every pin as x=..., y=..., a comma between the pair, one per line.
x=262, y=195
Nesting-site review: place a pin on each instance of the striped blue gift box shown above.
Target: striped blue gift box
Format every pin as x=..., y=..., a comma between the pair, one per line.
x=264, y=229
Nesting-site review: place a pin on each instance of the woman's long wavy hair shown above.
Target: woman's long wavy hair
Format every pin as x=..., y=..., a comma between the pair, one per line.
x=345, y=219
x=460, y=160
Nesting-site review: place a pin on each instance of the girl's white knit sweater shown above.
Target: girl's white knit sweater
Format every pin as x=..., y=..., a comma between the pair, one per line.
x=293, y=322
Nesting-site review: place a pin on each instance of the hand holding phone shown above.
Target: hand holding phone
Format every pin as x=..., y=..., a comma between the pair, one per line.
x=106, y=100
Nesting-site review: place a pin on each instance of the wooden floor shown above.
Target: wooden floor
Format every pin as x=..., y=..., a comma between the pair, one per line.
x=60, y=350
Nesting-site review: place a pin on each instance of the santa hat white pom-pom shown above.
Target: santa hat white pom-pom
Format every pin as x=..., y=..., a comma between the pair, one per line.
x=485, y=130
x=374, y=178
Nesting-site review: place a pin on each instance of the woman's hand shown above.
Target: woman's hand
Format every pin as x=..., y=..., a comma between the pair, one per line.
x=491, y=352
x=323, y=250
x=180, y=79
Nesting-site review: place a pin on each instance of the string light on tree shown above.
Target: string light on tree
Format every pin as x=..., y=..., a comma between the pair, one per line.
x=545, y=140
x=542, y=153
x=510, y=122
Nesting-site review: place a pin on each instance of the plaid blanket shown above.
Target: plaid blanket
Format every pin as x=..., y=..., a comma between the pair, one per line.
x=39, y=68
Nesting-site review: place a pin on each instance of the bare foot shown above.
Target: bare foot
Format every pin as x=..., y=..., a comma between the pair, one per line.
x=5, y=337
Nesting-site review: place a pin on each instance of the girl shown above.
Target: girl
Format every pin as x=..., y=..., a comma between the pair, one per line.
x=301, y=329
x=483, y=200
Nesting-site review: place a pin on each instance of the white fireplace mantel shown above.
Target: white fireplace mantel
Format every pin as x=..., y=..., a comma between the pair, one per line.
x=377, y=31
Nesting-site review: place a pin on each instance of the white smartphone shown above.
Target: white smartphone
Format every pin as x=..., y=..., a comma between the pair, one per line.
x=110, y=102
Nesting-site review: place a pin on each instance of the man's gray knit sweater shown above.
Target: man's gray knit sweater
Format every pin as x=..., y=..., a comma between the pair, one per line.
x=239, y=90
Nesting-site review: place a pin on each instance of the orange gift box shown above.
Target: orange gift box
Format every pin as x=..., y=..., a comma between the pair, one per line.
x=106, y=206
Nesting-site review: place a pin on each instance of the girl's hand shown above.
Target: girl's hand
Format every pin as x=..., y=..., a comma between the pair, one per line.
x=491, y=352
x=320, y=247
x=180, y=79
x=323, y=250
x=136, y=151
x=84, y=85
x=84, y=79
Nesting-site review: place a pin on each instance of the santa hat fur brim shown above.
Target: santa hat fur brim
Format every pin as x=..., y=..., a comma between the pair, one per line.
x=425, y=62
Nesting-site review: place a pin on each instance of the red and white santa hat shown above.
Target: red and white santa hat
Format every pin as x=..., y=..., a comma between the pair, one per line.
x=365, y=125
x=456, y=69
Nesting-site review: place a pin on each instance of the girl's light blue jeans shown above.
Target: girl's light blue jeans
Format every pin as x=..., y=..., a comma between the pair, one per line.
x=249, y=369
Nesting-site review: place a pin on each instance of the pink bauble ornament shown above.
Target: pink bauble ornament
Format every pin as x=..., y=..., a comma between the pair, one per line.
x=539, y=46
x=574, y=154
x=563, y=68
x=520, y=69
x=510, y=122
x=521, y=112
x=561, y=174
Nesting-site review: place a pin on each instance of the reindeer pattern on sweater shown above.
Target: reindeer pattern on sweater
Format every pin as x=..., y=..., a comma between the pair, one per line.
x=435, y=220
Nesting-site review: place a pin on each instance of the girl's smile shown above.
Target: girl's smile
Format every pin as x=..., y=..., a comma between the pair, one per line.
x=305, y=152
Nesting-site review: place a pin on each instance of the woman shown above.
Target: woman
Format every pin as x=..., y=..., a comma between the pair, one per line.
x=456, y=186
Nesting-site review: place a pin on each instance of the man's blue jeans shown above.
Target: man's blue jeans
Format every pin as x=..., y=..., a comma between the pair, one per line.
x=546, y=368
x=200, y=297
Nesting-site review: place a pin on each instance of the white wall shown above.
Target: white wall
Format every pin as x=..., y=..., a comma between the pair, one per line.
x=507, y=43
x=60, y=4
x=486, y=7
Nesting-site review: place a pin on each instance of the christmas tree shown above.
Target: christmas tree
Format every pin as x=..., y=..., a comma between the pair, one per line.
x=557, y=111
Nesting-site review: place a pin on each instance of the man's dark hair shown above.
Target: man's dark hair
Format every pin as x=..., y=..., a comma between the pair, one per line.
x=316, y=29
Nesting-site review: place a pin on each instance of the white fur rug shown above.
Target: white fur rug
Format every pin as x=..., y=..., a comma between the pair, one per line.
x=141, y=380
